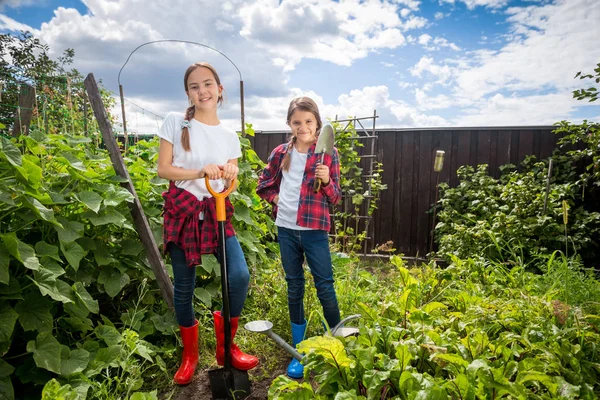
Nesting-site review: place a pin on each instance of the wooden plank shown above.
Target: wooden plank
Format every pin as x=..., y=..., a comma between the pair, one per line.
x=386, y=204
x=442, y=141
x=139, y=218
x=399, y=176
x=525, y=144
x=473, y=149
x=406, y=198
x=493, y=163
x=424, y=189
x=537, y=139
x=453, y=159
x=25, y=110
x=504, y=148
x=514, y=147
x=464, y=149
x=483, y=147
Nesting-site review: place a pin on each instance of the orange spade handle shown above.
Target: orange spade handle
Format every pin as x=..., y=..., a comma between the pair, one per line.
x=220, y=198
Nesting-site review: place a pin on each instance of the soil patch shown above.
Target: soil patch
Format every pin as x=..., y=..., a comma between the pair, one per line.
x=199, y=388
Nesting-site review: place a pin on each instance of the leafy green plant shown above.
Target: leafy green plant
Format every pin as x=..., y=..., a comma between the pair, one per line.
x=472, y=330
x=349, y=227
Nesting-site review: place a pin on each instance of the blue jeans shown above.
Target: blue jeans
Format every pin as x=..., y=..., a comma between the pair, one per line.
x=185, y=281
x=294, y=245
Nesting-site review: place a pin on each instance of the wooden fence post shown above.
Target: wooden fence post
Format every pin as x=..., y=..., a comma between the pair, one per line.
x=139, y=218
x=25, y=110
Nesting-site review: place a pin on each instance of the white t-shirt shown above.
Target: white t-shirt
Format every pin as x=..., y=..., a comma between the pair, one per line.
x=208, y=145
x=289, y=192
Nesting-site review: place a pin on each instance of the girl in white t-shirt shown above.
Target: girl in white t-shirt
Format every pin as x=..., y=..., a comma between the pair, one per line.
x=192, y=146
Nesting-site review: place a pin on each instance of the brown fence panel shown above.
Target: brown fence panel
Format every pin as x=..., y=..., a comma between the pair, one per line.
x=407, y=155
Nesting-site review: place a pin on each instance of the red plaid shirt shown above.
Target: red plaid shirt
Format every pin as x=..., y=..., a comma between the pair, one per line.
x=313, y=208
x=181, y=212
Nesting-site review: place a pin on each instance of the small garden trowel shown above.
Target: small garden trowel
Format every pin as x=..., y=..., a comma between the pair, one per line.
x=324, y=146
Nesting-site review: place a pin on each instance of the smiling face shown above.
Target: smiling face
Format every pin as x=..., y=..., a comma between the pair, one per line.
x=203, y=89
x=305, y=127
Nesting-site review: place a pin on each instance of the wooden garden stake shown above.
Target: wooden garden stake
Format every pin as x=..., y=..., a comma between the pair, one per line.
x=139, y=218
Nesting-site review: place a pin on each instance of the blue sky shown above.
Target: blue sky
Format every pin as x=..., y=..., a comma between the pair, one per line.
x=419, y=63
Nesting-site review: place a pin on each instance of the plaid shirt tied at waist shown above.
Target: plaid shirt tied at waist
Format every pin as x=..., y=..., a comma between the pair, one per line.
x=181, y=223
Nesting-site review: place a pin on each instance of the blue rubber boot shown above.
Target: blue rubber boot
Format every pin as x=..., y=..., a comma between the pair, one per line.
x=296, y=369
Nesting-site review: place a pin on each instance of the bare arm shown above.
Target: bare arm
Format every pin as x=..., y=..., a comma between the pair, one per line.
x=166, y=170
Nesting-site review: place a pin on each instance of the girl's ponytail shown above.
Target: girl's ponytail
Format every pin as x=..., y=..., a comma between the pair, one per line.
x=185, y=133
x=287, y=160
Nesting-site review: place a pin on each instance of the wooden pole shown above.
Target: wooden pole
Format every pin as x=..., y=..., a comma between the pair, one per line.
x=25, y=110
x=124, y=120
x=139, y=218
x=242, y=108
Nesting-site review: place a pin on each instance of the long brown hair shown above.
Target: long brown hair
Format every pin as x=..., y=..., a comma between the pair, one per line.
x=303, y=104
x=189, y=112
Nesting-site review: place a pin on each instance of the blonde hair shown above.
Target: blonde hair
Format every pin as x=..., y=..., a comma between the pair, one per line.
x=303, y=104
x=189, y=112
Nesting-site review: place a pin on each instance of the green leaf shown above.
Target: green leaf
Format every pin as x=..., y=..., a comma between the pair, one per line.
x=4, y=264
x=144, y=395
x=46, y=352
x=109, y=334
x=6, y=389
x=34, y=313
x=10, y=152
x=73, y=252
x=131, y=247
x=92, y=200
x=107, y=216
x=403, y=355
x=540, y=377
x=21, y=251
x=331, y=348
x=43, y=249
x=453, y=359
x=73, y=361
x=6, y=369
x=113, y=280
x=8, y=318
x=115, y=195
x=58, y=290
x=40, y=210
x=71, y=230
x=54, y=391
x=242, y=213
x=34, y=172
x=203, y=295
x=82, y=294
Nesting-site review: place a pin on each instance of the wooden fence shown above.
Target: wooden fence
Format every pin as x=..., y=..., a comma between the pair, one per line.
x=408, y=154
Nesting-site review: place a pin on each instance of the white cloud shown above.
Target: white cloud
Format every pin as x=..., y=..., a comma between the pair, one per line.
x=9, y=24
x=471, y=4
x=500, y=110
x=427, y=65
x=19, y=3
x=546, y=57
x=337, y=32
x=431, y=44
x=439, y=15
x=393, y=113
x=427, y=102
x=414, y=23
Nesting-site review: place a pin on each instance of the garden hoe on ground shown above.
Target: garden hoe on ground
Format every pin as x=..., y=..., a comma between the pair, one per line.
x=226, y=382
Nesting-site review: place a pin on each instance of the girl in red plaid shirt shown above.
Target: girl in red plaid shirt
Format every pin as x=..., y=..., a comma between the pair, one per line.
x=302, y=216
x=192, y=146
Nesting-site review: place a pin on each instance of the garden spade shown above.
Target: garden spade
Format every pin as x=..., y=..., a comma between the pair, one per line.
x=324, y=146
x=226, y=382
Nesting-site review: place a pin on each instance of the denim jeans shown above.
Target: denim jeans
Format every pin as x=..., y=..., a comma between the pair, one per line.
x=185, y=281
x=294, y=246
